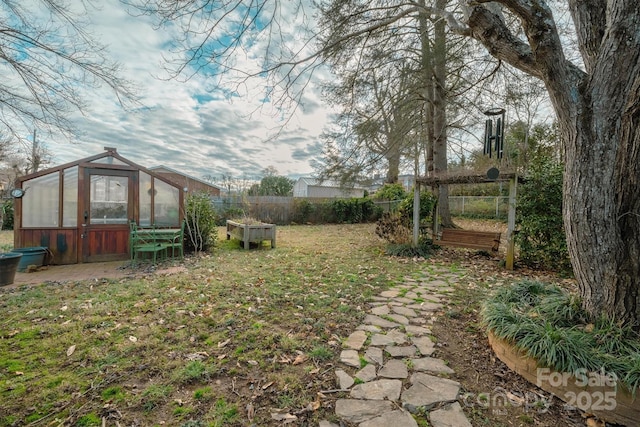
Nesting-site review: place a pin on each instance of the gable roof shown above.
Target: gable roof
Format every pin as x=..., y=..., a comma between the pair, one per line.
x=168, y=169
x=325, y=183
x=109, y=152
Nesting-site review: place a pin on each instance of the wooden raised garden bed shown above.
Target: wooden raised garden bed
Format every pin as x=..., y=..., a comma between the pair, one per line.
x=593, y=392
x=251, y=233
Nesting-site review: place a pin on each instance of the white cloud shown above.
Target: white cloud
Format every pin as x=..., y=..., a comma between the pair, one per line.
x=189, y=126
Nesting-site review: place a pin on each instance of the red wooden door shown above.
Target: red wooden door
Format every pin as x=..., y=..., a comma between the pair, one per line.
x=108, y=208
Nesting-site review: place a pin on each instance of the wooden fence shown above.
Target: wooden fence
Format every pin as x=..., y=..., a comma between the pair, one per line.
x=287, y=210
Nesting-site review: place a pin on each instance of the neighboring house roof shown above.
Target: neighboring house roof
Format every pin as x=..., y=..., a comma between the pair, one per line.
x=161, y=168
x=326, y=183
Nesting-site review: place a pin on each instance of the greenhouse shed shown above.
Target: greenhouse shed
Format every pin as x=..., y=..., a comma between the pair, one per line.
x=81, y=211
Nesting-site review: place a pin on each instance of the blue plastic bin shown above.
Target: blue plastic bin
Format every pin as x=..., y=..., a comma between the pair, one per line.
x=31, y=256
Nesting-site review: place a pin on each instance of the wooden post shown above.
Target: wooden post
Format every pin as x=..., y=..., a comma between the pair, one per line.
x=416, y=214
x=511, y=225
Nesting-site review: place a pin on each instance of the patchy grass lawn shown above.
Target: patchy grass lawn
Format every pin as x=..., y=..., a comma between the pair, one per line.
x=240, y=335
x=6, y=240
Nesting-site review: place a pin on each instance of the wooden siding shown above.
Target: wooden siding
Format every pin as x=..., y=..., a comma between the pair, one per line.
x=106, y=244
x=61, y=243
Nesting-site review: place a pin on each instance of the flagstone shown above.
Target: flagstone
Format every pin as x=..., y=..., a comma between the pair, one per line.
x=358, y=411
x=384, y=389
x=394, y=368
x=350, y=358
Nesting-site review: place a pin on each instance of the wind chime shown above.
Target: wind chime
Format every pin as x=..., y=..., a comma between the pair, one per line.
x=494, y=137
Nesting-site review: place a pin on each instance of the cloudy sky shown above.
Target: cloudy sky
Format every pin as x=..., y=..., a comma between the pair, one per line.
x=189, y=126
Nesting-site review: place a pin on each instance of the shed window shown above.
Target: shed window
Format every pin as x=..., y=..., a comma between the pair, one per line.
x=70, y=197
x=166, y=203
x=109, y=196
x=40, y=204
x=145, y=199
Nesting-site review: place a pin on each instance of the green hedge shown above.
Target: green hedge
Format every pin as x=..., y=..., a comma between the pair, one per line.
x=541, y=237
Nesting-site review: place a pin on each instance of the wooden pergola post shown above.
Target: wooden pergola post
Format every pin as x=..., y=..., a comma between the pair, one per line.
x=511, y=224
x=416, y=214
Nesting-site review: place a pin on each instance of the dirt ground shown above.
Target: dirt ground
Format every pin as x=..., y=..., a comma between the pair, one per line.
x=462, y=342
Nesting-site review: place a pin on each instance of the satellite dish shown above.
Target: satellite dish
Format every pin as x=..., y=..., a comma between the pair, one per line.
x=493, y=174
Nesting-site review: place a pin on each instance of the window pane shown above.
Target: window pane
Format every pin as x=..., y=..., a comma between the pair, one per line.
x=40, y=203
x=145, y=199
x=109, y=195
x=70, y=197
x=109, y=161
x=166, y=204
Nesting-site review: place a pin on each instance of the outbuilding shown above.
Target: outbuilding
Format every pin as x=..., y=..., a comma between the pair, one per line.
x=81, y=211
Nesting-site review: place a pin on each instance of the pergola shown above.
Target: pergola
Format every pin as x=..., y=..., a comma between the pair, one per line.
x=491, y=177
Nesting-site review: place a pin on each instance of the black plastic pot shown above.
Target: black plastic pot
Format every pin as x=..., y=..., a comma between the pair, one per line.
x=8, y=266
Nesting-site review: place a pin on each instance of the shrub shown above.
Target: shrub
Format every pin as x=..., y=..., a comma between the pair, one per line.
x=201, y=230
x=550, y=325
x=390, y=192
x=541, y=237
x=397, y=228
x=427, y=203
x=424, y=249
x=354, y=210
x=394, y=228
x=303, y=209
x=7, y=215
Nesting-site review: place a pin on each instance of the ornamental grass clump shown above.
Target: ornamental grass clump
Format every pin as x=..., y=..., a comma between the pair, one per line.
x=549, y=324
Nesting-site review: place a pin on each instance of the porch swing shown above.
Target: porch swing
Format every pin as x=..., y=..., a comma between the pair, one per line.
x=472, y=239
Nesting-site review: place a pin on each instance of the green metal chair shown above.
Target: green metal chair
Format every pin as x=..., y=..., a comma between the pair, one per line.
x=146, y=242
x=177, y=243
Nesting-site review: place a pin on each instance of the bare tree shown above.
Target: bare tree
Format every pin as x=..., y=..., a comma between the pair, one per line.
x=380, y=113
x=48, y=60
x=596, y=100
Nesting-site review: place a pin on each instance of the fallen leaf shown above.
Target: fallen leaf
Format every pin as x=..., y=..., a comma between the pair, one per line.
x=70, y=350
x=284, y=359
x=515, y=399
x=133, y=339
x=19, y=373
x=224, y=343
x=64, y=308
x=313, y=406
x=267, y=385
x=593, y=422
x=252, y=362
x=283, y=417
x=250, y=411
x=301, y=358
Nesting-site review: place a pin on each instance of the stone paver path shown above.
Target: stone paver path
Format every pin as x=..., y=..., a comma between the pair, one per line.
x=386, y=364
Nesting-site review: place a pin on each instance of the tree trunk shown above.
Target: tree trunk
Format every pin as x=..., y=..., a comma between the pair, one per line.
x=598, y=112
x=602, y=187
x=393, y=160
x=440, y=114
x=427, y=72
